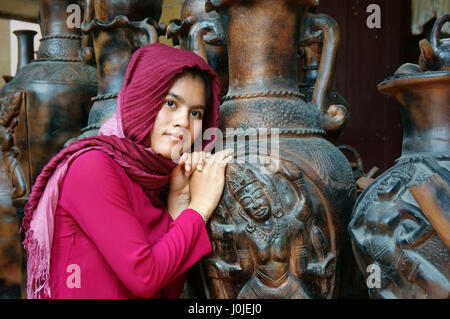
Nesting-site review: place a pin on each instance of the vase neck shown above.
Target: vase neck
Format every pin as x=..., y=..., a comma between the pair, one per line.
x=425, y=100
x=54, y=17
x=25, y=39
x=268, y=33
x=59, y=42
x=425, y=131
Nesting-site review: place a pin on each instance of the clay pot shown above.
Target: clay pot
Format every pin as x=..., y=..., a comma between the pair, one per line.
x=389, y=228
x=278, y=233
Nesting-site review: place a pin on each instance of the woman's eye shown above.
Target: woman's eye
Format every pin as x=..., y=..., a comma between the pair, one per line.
x=170, y=103
x=196, y=114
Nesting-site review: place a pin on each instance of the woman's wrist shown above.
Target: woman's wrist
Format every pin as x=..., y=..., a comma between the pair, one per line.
x=176, y=203
x=181, y=196
x=203, y=216
x=202, y=212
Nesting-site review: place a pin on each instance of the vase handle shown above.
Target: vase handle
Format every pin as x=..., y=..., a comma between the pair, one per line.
x=205, y=32
x=331, y=41
x=435, y=43
x=336, y=115
x=432, y=56
x=179, y=29
x=86, y=38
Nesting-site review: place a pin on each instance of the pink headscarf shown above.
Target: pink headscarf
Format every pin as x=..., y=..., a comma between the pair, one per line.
x=125, y=137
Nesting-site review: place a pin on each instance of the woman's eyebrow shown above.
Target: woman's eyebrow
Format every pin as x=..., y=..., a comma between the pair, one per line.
x=179, y=98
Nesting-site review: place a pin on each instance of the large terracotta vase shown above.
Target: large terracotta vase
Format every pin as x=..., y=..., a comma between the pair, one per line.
x=57, y=90
x=280, y=228
x=116, y=28
x=393, y=228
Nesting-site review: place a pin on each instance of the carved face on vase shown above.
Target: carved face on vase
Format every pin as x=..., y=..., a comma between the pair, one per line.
x=250, y=193
x=255, y=202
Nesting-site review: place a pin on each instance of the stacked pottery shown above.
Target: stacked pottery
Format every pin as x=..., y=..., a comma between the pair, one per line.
x=201, y=32
x=391, y=235
x=279, y=229
x=116, y=28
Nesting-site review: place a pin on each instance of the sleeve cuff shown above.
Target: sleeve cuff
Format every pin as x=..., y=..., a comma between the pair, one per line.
x=203, y=239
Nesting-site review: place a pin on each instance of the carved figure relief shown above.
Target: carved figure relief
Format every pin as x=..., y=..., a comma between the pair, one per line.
x=12, y=185
x=10, y=107
x=394, y=234
x=266, y=246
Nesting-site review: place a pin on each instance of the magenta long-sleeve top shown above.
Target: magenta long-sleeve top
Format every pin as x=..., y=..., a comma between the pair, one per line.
x=111, y=242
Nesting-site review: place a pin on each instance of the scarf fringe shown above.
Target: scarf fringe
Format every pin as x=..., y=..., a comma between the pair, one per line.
x=38, y=269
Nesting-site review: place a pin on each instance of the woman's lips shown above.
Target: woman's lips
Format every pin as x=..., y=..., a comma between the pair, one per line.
x=175, y=138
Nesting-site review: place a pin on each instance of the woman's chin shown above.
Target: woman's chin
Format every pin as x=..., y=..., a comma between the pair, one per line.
x=173, y=154
x=171, y=150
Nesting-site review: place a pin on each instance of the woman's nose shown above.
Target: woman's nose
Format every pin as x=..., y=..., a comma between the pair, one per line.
x=181, y=118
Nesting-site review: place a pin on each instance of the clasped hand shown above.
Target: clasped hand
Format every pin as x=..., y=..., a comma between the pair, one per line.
x=197, y=182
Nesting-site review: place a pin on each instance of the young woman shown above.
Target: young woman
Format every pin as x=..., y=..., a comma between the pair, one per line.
x=113, y=216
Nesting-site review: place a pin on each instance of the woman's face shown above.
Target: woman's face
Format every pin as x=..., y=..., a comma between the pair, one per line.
x=178, y=123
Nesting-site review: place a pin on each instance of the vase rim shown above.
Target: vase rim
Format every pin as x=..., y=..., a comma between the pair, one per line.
x=24, y=31
x=404, y=81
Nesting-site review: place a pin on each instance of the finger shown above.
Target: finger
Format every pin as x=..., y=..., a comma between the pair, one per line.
x=201, y=161
x=212, y=159
x=195, y=160
x=183, y=158
x=220, y=156
x=180, y=164
x=223, y=163
x=226, y=152
x=188, y=164
x=207, y=159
